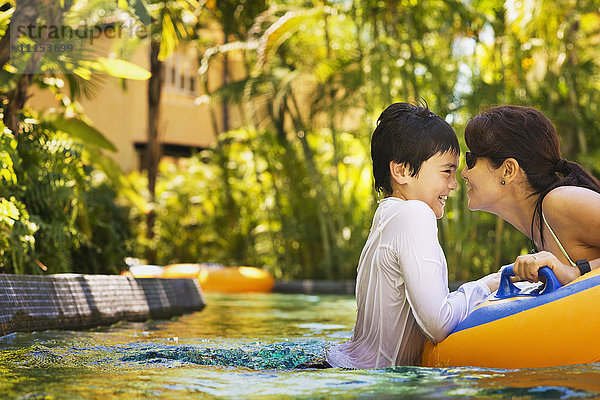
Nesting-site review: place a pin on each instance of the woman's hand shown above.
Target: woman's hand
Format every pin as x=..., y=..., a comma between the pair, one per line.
x=526, y=267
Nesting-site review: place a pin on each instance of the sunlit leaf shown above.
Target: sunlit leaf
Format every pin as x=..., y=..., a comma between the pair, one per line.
x=283, y=28
x=123, y=69
x=80, y=130
x=169, y=38
x=5, y=15
x=83, y=73
x=115, y=175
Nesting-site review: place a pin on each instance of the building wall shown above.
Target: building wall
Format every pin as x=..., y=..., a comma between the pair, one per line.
x=122, y=115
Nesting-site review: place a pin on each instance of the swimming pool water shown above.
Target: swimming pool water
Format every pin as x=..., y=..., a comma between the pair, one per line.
x=245, y=346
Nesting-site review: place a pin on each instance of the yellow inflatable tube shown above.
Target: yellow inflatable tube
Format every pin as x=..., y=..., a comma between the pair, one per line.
x=559, y=326
x=179, y=271
x=221, y=279
x=235, y=280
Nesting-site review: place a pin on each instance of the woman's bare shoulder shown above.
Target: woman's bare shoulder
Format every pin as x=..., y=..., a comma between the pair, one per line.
x=569, y=195
x=572, y=205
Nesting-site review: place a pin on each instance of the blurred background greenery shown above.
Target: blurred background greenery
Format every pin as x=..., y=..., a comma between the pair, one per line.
x=291, y=191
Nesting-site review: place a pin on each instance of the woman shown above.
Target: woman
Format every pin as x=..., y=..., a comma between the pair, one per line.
x=515, y=170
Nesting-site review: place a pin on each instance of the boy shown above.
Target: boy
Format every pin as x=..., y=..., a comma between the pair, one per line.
x=402, y=283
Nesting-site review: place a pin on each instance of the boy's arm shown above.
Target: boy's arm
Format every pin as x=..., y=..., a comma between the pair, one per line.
x=422, y=265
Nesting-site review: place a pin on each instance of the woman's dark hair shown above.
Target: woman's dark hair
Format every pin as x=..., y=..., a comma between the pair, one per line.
x=528, y=136
x=409, y=134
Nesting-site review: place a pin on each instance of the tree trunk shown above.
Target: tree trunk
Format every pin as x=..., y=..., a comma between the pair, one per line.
x=153, y=150
x=16, y=100
x=574, y=97
x=25, y=13
x=408, y=21
x=222, y=159
x=498, y=242
x=224, y=105
x=339, y=210
x=325, y=223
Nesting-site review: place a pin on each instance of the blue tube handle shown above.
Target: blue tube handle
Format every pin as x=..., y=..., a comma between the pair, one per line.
x=508, y=289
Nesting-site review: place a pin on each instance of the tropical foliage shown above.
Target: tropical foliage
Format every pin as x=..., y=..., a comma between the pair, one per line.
x=58, y=211
x=291, y=189
x=277, y=222
x=57, y=204
x=327, y=69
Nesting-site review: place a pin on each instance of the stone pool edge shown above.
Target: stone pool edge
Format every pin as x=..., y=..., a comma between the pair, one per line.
x=73, y=301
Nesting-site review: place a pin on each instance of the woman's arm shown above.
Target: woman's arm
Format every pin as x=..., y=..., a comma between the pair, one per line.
x=574, y=215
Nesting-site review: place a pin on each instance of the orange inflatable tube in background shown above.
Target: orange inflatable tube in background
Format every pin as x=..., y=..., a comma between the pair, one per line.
x=216, y=278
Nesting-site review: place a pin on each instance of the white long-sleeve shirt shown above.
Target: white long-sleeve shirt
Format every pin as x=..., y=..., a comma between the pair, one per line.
x=402, y=290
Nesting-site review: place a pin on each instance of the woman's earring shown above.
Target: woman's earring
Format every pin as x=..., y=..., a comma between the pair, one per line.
x=502, y=182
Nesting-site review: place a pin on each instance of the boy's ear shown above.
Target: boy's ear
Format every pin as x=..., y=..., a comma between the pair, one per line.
x=400, y=172
x=510, y=169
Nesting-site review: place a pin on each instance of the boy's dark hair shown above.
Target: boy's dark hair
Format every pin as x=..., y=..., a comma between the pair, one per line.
x=409, y=134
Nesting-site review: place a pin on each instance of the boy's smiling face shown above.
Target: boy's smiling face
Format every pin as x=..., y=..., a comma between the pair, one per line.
x=433, y=184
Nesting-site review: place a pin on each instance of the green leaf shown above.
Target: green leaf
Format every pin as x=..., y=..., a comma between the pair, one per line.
x=78, y=129
x=233, y=92
x=115, y=175
x=283, y=29
x=123, y=69
x=141, y=10
x=5, y=15
x=8, y=212
x=168, y=38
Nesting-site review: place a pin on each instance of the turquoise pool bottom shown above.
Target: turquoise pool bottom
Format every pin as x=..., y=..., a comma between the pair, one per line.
x=247, y=346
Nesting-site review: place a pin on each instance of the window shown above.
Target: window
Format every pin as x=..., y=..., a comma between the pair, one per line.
x=192, y=85
x=180, y=74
